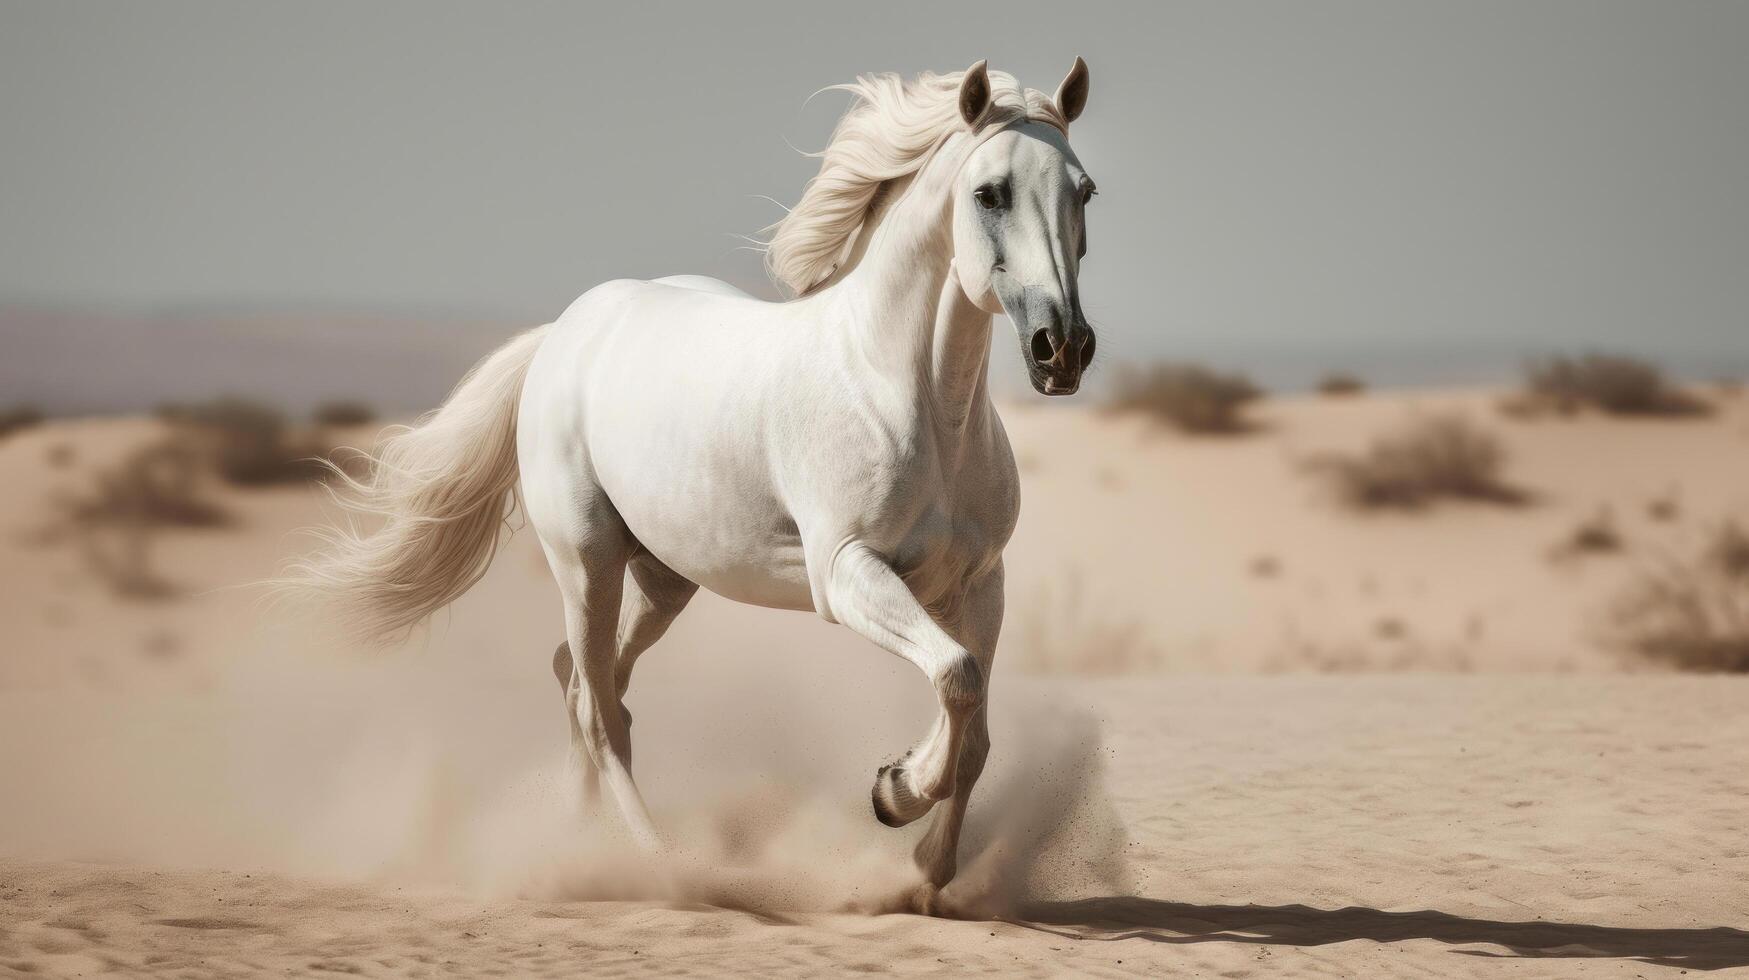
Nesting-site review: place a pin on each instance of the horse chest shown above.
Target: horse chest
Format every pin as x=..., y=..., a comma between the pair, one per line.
x=957, y=535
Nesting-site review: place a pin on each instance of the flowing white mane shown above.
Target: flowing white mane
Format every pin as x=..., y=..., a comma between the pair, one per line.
x=887, y=133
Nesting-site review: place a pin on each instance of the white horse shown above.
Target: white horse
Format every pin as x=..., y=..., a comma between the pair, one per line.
x=837, y=452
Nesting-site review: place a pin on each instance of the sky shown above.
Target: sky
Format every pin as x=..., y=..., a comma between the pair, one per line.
x=1275, y=178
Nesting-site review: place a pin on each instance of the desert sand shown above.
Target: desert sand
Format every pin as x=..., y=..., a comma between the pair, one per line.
x=1238, y=732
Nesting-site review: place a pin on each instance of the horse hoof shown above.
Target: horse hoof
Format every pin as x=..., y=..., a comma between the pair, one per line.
x=894, y=803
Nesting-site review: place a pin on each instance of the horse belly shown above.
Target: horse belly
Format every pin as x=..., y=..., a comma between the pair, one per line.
x=675, y=442
x=749, y=555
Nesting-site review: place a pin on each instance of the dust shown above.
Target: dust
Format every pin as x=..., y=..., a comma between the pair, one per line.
x=435, y=770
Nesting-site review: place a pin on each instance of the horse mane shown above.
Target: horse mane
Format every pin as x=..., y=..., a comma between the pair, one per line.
x=889, y=131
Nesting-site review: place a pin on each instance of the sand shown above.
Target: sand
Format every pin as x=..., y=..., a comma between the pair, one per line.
x=1204, y=764
x=1377, y=826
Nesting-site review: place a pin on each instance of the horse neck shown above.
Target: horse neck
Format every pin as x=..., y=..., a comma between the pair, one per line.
x=908, y=316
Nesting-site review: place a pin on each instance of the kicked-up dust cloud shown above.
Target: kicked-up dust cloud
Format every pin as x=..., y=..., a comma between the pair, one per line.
x=416, y=769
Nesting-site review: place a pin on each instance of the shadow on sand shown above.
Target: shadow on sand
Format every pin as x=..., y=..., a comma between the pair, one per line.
x=1113, y=918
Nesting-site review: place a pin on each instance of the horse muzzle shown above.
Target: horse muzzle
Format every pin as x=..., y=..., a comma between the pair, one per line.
x=1057, y=357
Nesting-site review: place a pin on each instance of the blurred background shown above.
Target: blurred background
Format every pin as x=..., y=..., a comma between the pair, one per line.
x=326, y=200
x=1423, y=329
x=1422, y=323
x=1372, y=251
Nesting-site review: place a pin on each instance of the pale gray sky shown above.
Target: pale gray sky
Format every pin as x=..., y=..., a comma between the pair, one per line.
x=1274, y=176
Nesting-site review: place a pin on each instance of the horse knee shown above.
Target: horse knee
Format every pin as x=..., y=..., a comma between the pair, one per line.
x=961, y=684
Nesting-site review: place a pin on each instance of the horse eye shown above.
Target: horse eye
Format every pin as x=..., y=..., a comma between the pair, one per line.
x=987, y=197
x=1088, y=191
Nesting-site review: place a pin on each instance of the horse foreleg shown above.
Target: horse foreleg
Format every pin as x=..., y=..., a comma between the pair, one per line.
x=866, y=595
x=937, y=854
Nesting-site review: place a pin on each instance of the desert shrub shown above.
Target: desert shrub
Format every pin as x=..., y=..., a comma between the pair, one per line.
x=121, y=558
x=115, y=519
x=1188, y=396
x=1339, y=384
x=1596, y=535
x=19, y=417
x=1665, y=508
x=158, y=486
x=1611, y=383
x=343, y=413
x=60, y=455
x=1431, y=457
x=1728, y=552
x=1690, y=613
x=247, y=442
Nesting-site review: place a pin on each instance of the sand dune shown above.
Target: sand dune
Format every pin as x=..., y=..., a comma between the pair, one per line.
x=1203, y=554
x=192, y=788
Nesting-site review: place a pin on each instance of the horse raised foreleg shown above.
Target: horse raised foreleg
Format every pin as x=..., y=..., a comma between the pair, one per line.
x=980, y=623
x=866, y=595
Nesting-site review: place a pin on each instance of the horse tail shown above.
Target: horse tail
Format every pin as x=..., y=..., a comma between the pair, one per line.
x=443, y=490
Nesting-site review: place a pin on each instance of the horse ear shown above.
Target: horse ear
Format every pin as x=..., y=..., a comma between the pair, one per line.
x=974, y=93
x=1072, y=94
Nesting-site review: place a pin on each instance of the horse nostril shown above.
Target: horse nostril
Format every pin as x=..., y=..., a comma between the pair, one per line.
x=1087, y=350
x=1041, y=346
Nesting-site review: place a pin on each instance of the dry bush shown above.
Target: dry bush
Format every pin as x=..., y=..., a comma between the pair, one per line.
x=1666, y=508
x=1728, y=552
x=1596, y=535
x=121, y=558
x=1060, y=633
x=1340, y=384
x=1432, y=457
x=115, y=519
x=158, y=486
x=346, y=412
x=248, y=443
x=1690, y=613
x=1610, y=383
x=19, y=417
x=60, y=455
x=1192, y=398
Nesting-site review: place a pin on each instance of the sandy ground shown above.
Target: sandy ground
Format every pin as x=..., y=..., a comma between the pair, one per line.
x=1161, y=551
x=1377, y=826
x=1273, y=783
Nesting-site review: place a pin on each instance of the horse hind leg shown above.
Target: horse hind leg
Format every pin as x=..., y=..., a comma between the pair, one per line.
x=588, y=551
x=654, y=596
x=570, y=685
